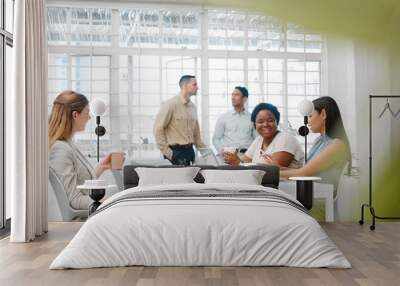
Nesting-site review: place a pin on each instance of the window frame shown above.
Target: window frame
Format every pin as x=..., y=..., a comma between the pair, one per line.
x=204, y=53
x=6, y=40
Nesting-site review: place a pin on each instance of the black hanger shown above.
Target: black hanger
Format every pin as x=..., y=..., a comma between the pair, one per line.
x=387, y=106
x=397, y=113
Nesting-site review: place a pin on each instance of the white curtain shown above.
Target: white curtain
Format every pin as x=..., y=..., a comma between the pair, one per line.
x=27, y=123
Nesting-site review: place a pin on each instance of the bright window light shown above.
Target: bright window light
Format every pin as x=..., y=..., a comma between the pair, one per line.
x=132, y=58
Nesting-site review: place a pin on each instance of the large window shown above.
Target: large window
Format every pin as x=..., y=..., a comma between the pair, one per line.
x=133, y=58
x=6, y=43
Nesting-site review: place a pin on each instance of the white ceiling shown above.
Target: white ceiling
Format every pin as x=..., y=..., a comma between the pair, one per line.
x=181, y=2
x=119, y=3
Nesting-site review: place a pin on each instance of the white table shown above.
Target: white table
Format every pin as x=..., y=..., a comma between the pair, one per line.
x=321, y=191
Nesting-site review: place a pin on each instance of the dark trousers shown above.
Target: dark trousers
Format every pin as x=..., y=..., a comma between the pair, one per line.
x=182, y=156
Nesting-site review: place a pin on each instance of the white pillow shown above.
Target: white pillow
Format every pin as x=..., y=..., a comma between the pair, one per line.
x=166, y=176
x=249, y=177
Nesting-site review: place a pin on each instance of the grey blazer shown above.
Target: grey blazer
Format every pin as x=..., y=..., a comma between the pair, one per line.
x=72, y=168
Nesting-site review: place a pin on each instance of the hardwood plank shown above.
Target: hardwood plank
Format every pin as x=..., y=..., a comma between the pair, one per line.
x=375, y=258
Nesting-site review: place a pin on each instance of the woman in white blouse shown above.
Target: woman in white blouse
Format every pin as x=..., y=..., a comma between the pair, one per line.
x=273, y=147
x=70, y=114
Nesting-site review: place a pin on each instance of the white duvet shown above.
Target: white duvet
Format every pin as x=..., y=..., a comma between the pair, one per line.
x=200, y=231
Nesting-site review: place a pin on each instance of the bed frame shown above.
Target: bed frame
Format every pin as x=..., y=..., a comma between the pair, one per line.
x=270, y=179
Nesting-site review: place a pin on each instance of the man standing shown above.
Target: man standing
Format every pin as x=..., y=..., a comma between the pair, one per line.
x=176, y=128
x=234, y=128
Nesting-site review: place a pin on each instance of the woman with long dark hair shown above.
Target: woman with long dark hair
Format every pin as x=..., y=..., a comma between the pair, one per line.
x=331, y=150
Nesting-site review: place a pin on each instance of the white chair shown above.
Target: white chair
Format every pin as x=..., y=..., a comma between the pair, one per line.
x=118, y=178
x=339, y=206
x=346, y=198
x=337, y=203
x=66, y=211
x=322, y=192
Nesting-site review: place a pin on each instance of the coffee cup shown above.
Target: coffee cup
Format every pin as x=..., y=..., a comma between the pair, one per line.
x=229, y=150
x=117, y=160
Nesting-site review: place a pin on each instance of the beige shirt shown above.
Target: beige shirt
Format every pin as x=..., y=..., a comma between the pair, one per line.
x=176, y=123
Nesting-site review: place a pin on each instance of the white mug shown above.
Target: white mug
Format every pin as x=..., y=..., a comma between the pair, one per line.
x=229, y=150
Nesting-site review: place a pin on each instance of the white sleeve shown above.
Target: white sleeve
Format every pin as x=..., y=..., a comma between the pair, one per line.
x=253, y=148
x=288, y=143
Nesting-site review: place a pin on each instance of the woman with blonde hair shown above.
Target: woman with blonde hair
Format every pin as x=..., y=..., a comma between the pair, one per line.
x=69, y=115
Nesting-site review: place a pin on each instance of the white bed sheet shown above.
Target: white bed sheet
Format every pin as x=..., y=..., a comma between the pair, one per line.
x=202, y=232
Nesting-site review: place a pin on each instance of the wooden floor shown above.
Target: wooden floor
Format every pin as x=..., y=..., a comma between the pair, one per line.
x=375, y=257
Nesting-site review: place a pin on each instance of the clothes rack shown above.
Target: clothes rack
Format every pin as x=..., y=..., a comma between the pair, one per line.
x=370, y=205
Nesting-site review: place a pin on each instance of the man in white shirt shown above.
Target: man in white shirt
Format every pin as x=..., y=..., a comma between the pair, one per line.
x=234, y=128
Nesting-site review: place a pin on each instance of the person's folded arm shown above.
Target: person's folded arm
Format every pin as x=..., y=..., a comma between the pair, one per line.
x=323, y=161
x=163, y=118
x=282, y=159
x=234, y=160
x=285, y=152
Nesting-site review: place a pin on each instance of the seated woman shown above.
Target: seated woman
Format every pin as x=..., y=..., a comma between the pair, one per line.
x=272, y=147
x=69, y=115
x=331, y=150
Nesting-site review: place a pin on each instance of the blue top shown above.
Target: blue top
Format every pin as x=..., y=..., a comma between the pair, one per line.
x=331, y=175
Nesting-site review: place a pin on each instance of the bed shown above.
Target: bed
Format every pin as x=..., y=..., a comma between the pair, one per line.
x=197, y=224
